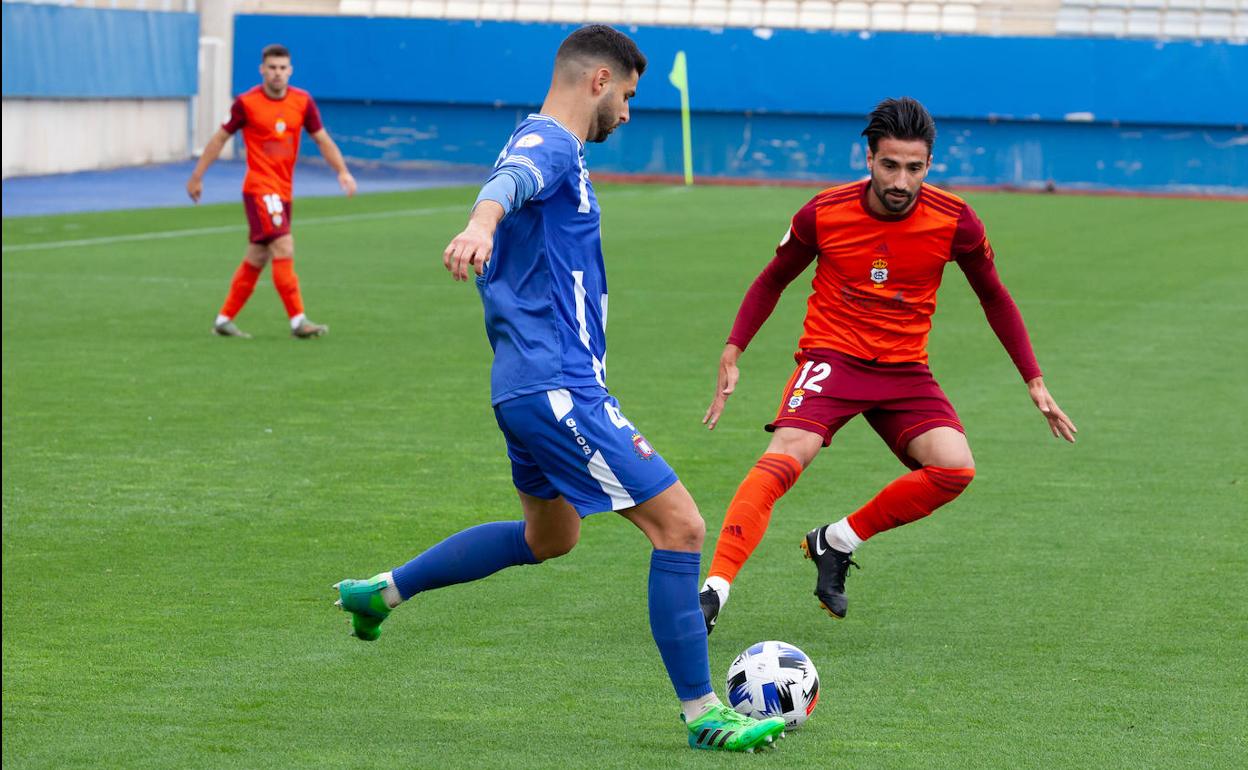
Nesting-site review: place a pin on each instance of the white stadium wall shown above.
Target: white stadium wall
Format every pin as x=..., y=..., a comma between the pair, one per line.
x=44, y=136
x=88, y=87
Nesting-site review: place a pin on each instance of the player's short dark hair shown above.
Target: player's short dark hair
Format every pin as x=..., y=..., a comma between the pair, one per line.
x=903, y=119
x=598, y=41
x=274, y=49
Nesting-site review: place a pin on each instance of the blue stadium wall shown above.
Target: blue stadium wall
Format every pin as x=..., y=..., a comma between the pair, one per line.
x=789, y=104
x=58, y=52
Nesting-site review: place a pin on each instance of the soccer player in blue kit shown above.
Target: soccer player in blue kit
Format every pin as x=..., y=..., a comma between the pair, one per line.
x=534, y=243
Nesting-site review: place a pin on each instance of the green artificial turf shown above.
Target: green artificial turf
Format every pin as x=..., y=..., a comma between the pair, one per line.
x=176, y=506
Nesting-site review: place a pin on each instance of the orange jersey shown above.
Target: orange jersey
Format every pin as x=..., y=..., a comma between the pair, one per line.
x=876, y=278
x=271, y=130
x=874, y=290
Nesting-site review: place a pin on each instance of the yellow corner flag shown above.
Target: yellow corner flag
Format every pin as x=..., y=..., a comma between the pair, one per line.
x=679, y=77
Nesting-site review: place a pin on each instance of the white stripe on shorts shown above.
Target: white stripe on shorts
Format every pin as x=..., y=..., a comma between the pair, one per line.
x=606, y=479
x=560, y=402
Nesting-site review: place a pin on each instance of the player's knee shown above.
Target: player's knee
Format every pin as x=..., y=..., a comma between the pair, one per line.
x=553, y=549
x=801, y=445
x=951, y=457
x=282, y=247
x=686, y=530
x=552, y=543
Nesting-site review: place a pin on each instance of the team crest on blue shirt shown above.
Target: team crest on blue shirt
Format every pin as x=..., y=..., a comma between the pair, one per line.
x=644, y=450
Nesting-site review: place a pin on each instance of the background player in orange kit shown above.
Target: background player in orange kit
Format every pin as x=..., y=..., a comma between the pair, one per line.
x=880, y=248
x=271, y=116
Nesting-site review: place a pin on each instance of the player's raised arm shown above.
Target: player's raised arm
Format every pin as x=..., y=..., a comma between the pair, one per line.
x=796, y=251
x=212, y=151
x=975, y=256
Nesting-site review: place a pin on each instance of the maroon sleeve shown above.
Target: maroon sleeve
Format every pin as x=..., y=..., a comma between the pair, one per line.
x=312, y=117
x=794, y=254
x=969, y=235
x=237, y=117
x=977, y=262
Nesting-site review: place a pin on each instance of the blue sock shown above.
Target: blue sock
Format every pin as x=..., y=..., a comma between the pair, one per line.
x=676, y=621
x=468, y=555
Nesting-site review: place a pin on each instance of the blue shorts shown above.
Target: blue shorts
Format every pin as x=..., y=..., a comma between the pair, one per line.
x=576, y=443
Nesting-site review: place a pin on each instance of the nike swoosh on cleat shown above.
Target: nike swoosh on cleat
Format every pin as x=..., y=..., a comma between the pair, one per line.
x=820, y=548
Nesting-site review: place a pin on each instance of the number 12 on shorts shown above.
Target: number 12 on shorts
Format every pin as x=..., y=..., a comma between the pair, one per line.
x=811, y=375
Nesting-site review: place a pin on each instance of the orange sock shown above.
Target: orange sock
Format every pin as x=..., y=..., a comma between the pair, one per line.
x=241, y=287
x=909, y=498
x=287, y=284
x=750, y=511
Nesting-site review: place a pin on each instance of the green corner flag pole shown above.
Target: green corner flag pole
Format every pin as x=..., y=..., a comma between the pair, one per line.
x=679, y=77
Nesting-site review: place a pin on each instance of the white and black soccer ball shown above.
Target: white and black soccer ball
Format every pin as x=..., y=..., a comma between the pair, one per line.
x=774, y=679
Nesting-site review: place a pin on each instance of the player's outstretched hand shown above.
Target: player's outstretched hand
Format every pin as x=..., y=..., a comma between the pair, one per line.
x=472, y=248
x=347, y=183
x=725, y=383
x=195, y=188
x=1059, y=423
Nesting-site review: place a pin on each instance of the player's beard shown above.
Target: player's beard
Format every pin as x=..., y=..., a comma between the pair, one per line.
x=602, y=117
x=889, y=203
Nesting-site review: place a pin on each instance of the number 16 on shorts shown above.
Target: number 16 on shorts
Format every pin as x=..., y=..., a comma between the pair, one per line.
x=273, y=203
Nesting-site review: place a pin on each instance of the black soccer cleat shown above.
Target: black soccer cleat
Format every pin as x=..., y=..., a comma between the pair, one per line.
x=710, y=608
x=833, y=566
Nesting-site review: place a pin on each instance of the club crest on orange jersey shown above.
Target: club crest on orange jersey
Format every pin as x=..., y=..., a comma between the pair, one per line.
x=279, y=127
x=644, y=450
x=879, y=273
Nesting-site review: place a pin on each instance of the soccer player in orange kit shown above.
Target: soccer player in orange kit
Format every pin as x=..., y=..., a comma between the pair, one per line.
x=880, y=248
x=271, y=116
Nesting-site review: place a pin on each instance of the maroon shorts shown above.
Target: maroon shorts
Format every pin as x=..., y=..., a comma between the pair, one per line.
x=268, y=216
x=900, y=401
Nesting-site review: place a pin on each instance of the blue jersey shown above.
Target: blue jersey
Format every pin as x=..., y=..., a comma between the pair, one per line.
x=545, y=288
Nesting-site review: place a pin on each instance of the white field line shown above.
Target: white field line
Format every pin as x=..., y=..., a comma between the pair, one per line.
x=165, y=234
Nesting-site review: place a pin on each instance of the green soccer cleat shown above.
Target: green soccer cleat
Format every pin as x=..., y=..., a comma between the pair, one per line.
x=722, y=729
x=362, y=598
